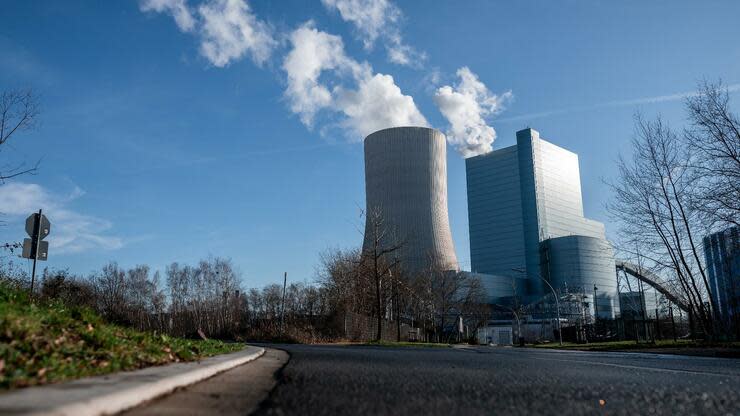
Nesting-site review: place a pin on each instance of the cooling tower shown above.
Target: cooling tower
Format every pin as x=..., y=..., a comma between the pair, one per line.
x=406, y=184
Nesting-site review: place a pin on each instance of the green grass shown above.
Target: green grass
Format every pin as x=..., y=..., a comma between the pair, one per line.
x=632, y=345
x=51, y=342
x=404, y=344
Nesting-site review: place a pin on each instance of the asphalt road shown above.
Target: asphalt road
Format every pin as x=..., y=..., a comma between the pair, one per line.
x=337, y=380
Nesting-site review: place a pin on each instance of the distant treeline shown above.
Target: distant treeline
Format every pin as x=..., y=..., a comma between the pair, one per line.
x=202, y=300
x=208, y=300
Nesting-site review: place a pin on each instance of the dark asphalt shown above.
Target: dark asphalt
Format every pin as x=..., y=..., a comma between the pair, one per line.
x=338, y=380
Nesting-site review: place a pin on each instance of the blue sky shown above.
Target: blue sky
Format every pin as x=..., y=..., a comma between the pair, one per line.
x=172, y=130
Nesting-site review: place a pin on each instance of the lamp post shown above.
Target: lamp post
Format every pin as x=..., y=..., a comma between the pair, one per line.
x=557, y=302
x=596, y=309
x=596, y=313
x=557, y=308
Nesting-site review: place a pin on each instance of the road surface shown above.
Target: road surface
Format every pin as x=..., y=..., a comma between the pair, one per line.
x=238, y=391
x=337, y=380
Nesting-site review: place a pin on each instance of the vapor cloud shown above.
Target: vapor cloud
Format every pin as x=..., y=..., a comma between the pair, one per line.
x=178, y=9
x=466, y=106
x=72, y=232
x=371, y=102
x=374, y=19
x=377, y=103
x=323, y=82
x=227, y=29
x=230, y=30
x=312, y=53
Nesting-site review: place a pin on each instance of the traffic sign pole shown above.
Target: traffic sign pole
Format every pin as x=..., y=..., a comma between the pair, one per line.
x=37, y=227
x=36, y=240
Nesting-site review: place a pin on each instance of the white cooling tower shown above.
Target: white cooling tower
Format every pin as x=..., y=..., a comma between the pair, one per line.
x=406, y=183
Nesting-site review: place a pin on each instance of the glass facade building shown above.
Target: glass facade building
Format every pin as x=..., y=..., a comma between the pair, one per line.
x=521, y=196
x=722, y=255
x=578, y=264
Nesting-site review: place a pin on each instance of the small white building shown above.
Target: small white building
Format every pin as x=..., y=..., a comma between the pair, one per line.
x=505, y=332
x=496, y=335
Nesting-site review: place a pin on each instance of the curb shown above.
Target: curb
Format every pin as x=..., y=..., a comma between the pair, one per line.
x=105, y=395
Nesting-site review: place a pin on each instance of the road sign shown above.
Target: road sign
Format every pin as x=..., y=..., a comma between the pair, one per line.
x=43, y=250
x=37, y=227
x=44, y=225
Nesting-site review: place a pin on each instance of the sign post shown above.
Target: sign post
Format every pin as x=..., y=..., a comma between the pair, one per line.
x=37, y=227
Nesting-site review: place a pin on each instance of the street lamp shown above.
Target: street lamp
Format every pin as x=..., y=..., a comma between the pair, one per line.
x=596, y=312
x=596, y=309
x=557, y=302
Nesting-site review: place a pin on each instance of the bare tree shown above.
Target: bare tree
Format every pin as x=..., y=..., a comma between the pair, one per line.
x=110, y=291
x=652, y=201
x=450, y=294
x=340, y=275
x=379, y=258
x=19, y=111
x=714, y=139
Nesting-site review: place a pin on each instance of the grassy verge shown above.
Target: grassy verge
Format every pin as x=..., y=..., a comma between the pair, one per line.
x=45, y=343
x=632, y=345
x=403, y=344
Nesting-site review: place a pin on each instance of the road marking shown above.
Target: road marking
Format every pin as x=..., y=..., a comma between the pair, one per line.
x=637, y=367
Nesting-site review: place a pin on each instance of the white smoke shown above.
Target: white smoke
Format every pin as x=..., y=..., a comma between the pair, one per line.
x=227, y=29
x=375, y=19
x=322, y=79
x=230, y=30
x=312, y=53
x=178, y=9
x=466, y=107
x=377, y=103
x=374, y=103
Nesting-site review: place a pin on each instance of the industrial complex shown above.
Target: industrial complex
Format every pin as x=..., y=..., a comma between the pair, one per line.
x=526, y=223
x=528, y=234
x=529, y=238
x=722, y=252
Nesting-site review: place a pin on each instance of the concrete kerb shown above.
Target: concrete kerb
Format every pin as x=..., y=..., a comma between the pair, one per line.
x=109, y=394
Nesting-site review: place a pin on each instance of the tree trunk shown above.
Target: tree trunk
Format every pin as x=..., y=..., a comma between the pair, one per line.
x=398, y=319
x=379, y=331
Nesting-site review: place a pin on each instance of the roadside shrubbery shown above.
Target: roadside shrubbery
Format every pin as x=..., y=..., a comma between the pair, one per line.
x=49, y=340
x=202, y=301
x=208, y=301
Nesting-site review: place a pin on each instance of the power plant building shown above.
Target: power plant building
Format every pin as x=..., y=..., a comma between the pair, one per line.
x=722, y=254
x=406, y=189
x=526, y=220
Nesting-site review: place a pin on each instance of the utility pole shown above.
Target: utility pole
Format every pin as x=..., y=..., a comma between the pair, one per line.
x=673, y=321
x=657, y=316
x=282, y=309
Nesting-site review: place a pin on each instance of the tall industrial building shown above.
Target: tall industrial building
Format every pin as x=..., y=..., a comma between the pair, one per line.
x=526, y=220
x=722, y=253
x=406, y=183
